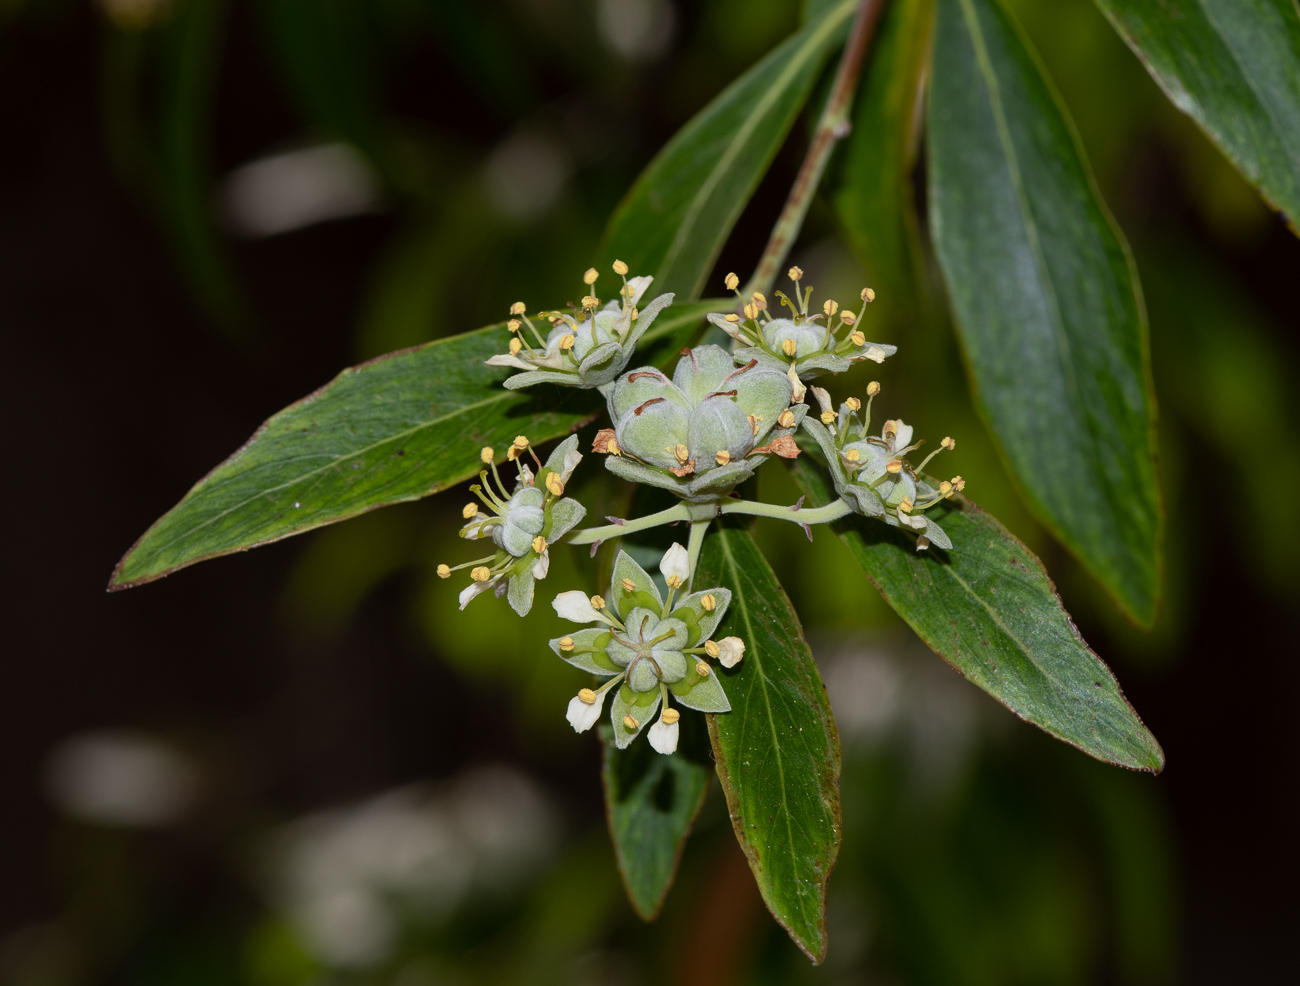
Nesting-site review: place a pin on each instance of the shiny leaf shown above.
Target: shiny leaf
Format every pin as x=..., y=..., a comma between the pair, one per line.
x=681, y=210
x=988, y=608
x=1046, y=300
x=1233, y=66
x=777, y=750
x=394, y=429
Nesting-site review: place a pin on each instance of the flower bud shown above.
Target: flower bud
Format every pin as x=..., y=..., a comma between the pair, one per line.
x=675, y=565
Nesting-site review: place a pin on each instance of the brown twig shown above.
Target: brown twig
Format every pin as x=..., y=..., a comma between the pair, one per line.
x=833, y=125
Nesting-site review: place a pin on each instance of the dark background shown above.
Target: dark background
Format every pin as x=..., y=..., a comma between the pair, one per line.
x=142, y=348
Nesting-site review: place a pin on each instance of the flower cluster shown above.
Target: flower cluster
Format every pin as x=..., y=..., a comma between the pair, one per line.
x=522, y=523
x=703, y=432
x=589, y=347
x=802, y=345
x=873, y=475
x=649, y=647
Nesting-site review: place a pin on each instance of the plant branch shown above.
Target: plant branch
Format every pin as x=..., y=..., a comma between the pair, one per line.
x=698, y=529
x=814, y=515
x=833, y=125
x=589, y=534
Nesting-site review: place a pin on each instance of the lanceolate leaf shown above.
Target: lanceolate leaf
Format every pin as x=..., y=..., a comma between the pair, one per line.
x=681, y=210
x=1046, y=300
x=777, y=750
x=1233, y=66
x=394, y=429
x=652, y=801
x=988, y=608
x=874, y=173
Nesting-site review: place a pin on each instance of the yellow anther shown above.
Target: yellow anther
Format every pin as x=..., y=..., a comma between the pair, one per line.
x=786, y=420
x=566, y=643
x=681, y=453
x=948, y=443
x=723, y=457
x=444, y=571
x=867, y=295
x=517, y=308
x=709, y=602
x=873, y=388
x=674, y=581
x=597, y=602
x=486, y=455
x=853, y=455
x=521, y=442
x=470, y=510
x=590, y=301
x=670, y=716
x=894, y=466
x=945, y=489
x=751, y=311
x=611, y=447
x=635, y=314
x=795, y=273
x=512, y=453
x=480, y=574
x=732, y=282
x=891, y=428
x=513, y=325
x=620, y=268
x=788, y=347
x=760, y=300
x=711, y=648
x=848, y=318
x=586, y=696
x=515, y=346
x=753, y=420
x=590, y=276
x=629, y=585
x=702, y=669
x=853, y=404
x=828, y=417
x=627, y=290
x=858, y=339
x=630, y=723
x=553, y=485
x=830, y=307
x=539, y=544
x=566, y=341
x=958, y=483
x=731, y=317
x=906, y=505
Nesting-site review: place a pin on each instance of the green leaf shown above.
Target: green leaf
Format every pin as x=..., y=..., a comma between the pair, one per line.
x=777, y=751
x=651, y=802
x=1046, y=301
x=681, y=210
x=873, y=176
x=988, y=608
x=1233, y=66
x=397, y=428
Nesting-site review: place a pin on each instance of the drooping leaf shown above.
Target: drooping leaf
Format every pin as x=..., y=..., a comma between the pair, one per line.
x=1046, y=300
x=873, y=176
x=397, y=428
x=1233, y=66
x=988, y=608
x=777, y=750
x=681, y=210
x=651, y=802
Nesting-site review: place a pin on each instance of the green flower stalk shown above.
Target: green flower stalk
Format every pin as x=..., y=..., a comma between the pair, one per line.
x=647, y=648
x=588, y=348
x=873, y=475
x=703, y=432
x=802, y=345
x=522, y=524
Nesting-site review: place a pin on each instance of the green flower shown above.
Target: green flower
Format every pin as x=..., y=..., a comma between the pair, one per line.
x=646, y=648
x=873, y=475
x=704, y=431
x=522, y=524
x=586, y=349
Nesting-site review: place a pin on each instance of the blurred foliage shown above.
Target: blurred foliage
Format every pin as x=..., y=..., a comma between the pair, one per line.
x=986, y=855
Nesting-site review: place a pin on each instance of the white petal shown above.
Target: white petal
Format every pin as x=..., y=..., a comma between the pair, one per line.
x=582, y=716
x=922, y=543
x=638, y=286
x=571, y=460
x=798, y=389
x=916, y=522
x=823, y=398
x=876, y=353
x=575, y=605
x=504, y=359
x=903, y=438
x=676, y=562
x=730, y=651
x=663, y=737
x=542, y=565
x=472, y=590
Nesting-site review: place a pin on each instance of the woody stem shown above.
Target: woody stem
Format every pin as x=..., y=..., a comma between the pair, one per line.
x=698, y=529
x=589, y=534
x=813, y=515
x=833, y=125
